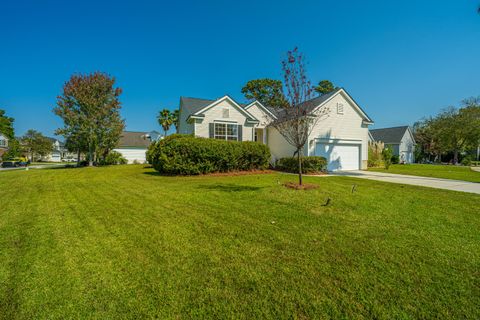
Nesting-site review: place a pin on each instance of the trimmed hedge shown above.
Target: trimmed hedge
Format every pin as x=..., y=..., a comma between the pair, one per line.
x=310, y=164
x=188, y=155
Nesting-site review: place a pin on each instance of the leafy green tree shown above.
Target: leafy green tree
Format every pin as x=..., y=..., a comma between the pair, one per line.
x=471, y=111
x=76, y=144
x=427, y=139
x=451, y=128
x=6, y=125
x=268, y=92
x=176, y=119
x=324, y=87
x=35, y=144
x=90, y=109
x=165, y=119
x=6, y=128
x=387, y=154
x=14, y=150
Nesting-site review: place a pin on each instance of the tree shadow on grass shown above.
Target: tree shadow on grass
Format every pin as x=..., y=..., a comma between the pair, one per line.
x=158, y=174
x=228, y=187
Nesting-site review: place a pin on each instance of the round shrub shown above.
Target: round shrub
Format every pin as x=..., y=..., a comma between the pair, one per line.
x=311, y=164
x=395, y=159
x=188, y=155
x=113, y=158
x=466, y=161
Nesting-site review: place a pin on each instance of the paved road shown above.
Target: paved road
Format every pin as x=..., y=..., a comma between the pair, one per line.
x=45, y=166
x=447, y=184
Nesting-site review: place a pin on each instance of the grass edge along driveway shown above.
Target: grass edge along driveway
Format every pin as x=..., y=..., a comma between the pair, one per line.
x=433, y=171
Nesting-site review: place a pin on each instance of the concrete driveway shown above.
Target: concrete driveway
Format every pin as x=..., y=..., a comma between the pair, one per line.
x=447, y=184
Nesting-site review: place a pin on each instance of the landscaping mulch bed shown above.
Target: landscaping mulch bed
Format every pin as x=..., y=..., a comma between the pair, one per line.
x=238, y=173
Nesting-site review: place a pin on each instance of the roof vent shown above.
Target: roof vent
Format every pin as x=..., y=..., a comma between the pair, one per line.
x=340, y=108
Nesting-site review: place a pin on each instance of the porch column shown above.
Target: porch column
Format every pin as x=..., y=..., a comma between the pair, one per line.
x=264, y=134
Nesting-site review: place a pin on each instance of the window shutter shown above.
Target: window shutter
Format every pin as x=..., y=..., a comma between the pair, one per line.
x=240, y=133
x=211, y=130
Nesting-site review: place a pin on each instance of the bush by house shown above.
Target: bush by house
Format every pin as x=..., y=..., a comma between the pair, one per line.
x=188, y=155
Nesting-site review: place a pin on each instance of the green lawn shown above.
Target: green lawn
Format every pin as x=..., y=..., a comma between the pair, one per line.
x=124, y=242
x=432, y=170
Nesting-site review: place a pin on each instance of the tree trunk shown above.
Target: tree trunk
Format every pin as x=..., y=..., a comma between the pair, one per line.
x=455, y=157
x=300, y=182
x=90, y=155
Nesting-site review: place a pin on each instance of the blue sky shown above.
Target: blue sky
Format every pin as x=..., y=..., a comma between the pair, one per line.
x=400, y=60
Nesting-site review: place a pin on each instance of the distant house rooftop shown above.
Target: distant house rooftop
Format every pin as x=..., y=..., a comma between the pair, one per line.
x=389, y=135
x=135, y=139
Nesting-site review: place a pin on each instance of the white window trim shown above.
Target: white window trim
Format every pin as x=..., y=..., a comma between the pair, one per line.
x=226, y=136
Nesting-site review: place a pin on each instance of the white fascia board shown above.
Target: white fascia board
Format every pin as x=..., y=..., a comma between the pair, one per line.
x=239, y=107
x=261, y=107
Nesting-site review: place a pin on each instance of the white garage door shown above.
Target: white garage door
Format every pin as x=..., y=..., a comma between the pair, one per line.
x=339, y=156
x=133, y=155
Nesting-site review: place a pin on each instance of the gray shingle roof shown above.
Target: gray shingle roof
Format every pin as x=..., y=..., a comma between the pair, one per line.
x=313, y=103
x=389, y=135
x=193, y=105
x=133, y=139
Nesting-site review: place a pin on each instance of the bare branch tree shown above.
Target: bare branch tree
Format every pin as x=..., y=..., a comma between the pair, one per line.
x=297, y=117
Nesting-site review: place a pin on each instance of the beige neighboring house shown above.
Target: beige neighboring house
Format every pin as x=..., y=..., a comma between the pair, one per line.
x=3, y=145
x=342, y=137
x=133, y=145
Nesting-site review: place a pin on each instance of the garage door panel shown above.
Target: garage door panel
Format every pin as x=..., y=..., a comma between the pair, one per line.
x=339, y=156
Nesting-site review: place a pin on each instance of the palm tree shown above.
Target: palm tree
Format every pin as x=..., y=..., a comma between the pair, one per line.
x=165, y=119
x=176, y=119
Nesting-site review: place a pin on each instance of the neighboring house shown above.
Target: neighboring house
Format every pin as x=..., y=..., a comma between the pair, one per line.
x=342, y=137
x=133, y=145
x=3, y=145
x=400, y=138
x=59, y=152
x=55, y=155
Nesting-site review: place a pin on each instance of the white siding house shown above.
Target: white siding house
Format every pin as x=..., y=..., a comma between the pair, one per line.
x=400, y=138
x=133, y=145
x=341, y=137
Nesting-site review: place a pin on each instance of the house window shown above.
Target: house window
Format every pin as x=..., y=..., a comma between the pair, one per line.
x=226, y=113
x=255, y=137
x=226, y=131
x=340, y=108
x=3, y=143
